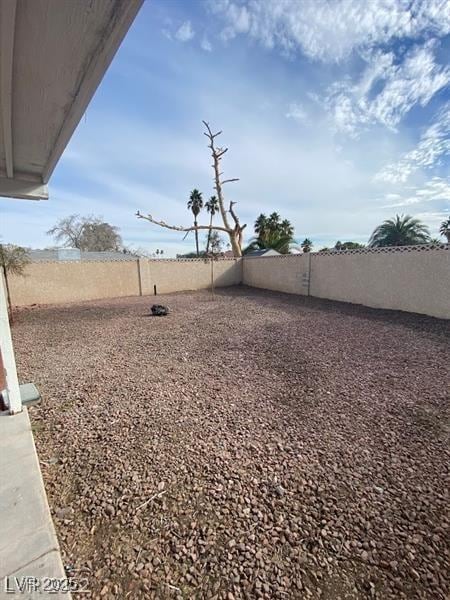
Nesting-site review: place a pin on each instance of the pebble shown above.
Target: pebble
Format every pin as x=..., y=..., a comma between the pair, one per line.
x=251, y=460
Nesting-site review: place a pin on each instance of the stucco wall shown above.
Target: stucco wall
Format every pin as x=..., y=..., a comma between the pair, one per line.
x=56, y=282
x=178, y=275
x=285, y=273
x=59, y=282
x=413, y=279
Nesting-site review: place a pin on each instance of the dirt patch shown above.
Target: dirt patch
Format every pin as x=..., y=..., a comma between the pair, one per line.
x=256, y=446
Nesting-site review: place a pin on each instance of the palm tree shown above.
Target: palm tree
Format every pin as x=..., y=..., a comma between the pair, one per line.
x=272, y=233
x=444, y=229
x=273, y=222
x=306, y=245
x=261, y=225
x=273, y=240
x=212, y=206
x=195, y=204
x=403, y=230
x=286, y=227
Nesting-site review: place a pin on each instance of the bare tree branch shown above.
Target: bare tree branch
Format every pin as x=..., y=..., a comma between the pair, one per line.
x=210, y=134
x=179, y=227
x=229, y=180
x=235, y=217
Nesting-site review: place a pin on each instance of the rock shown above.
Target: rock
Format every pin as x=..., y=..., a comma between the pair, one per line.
x=279, y=490
x=158, y=310
x=64, y=513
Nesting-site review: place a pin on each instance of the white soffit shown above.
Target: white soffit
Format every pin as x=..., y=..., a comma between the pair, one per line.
x=53, y=55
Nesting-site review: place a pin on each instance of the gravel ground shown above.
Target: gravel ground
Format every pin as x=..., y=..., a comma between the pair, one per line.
x=257, y=445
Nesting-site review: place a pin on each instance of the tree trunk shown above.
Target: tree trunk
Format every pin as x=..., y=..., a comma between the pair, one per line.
x=8, y=295
x=209, y=234
x=196, y=237
x=236, y=243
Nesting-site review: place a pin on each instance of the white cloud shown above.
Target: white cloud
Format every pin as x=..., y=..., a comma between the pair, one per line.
x=331, y=31
x=150, y=160
x=433, y=145
x=391, y=84
x=433, y=219
x=436, y=189
x=238, y=18
x=296, y=112
x=185, y=32
x=413, y=81
x=205, y=44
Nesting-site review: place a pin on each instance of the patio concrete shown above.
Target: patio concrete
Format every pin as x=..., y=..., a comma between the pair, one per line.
x=28, y=543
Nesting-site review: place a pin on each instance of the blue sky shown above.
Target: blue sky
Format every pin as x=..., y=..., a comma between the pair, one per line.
x=336, y=115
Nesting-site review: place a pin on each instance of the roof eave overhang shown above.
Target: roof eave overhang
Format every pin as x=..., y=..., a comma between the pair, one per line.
x=89, y=75
x=22, y=189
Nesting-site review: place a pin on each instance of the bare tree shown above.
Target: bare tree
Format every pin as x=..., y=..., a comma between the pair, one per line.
x=99, y=236
x=231, y=224
x=91, y=234
x=215, y=244
x=68, y=231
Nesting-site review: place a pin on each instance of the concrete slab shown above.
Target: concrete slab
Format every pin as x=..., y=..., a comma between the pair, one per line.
x=29, y=549
x=29, y=394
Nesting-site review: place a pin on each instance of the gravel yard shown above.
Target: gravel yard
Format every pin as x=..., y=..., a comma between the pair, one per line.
x=257, y=445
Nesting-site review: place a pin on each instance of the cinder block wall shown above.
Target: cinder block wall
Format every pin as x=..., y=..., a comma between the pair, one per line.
x=409, y=278
x=414, y=278
x=61, y=282
x=190, y=274
x=284, y=273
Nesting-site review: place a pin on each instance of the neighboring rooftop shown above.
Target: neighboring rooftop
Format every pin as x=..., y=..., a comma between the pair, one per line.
x=264, y=252
x=66, y=254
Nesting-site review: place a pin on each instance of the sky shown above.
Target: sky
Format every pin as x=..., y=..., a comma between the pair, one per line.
x=336, y=115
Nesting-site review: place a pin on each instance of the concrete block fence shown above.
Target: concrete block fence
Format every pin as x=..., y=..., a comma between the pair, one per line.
x=409, y=278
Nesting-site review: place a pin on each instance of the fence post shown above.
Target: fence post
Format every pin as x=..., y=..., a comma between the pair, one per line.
x=309, y=273
x=139, y=276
